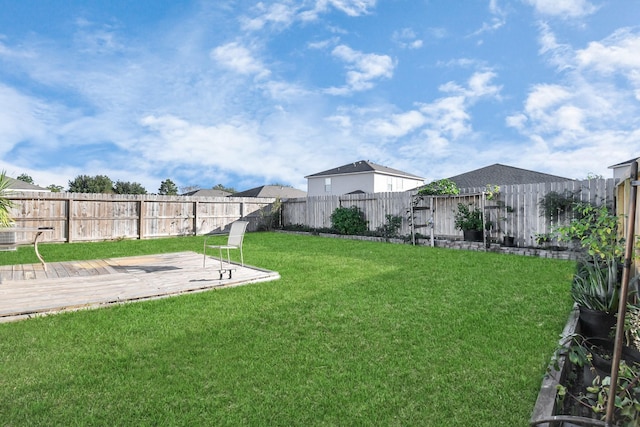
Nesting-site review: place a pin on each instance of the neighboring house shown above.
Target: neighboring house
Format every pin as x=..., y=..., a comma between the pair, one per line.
x=621, y=171
x=360, y=177
x=207, y=193
x=498, y=174
x=281, y=191
x=24, y=187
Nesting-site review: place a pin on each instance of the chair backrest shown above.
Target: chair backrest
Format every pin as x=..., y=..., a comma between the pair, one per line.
x=236, y=234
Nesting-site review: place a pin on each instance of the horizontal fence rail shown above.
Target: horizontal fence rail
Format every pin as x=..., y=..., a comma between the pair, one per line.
x=514, y=211
x=77, y=217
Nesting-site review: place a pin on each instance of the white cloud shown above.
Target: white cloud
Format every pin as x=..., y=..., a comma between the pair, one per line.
x=363, y=69
x=239, y=59
x=278, y=14
x=563, y=8
x=591, y=112
x=22, y=118
x=349, y=7
x=479, y=85
x=407, y=39
x=619, y=52
x=398, y=124
x=498, y=19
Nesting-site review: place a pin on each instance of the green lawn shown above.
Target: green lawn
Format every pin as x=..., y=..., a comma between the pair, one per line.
x=354, y=333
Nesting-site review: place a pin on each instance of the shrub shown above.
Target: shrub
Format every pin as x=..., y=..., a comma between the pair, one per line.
x=440, y=187
x=390, y=228
x=349, y=220
x=467, y=218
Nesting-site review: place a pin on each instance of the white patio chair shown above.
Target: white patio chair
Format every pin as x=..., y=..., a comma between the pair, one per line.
x=234, y=241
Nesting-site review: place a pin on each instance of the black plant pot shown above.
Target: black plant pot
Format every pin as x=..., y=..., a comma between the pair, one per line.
x=596, y=323
x=509, y=241
x=602, y=353
x=472, y=235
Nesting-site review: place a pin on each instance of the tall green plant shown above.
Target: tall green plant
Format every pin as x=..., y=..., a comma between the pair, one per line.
x=596, y=228
x=349, y=220
x=466, y=218
x=5, y=203
x=595, y=285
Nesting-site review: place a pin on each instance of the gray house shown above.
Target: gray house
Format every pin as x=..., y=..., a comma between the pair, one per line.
x=621, y=170
x=499, y=174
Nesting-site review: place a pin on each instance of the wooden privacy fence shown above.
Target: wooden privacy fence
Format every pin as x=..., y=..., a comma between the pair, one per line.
x=79, y=217
x=514, y=211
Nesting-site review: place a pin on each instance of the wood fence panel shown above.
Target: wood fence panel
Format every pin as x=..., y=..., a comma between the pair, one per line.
x=91, y=217
x=515, y=212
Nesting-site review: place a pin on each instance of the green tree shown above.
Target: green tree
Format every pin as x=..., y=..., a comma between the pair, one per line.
x=168, y=188
x=25, y=178
x=122, y=187
x=55, y=188
x=91, y=184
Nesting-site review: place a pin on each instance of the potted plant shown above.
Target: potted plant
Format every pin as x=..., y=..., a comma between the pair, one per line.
x=595, y=289
x=596, y=284
x=469, y=220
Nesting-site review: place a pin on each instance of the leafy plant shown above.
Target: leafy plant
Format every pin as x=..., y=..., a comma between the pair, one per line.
x=492, y=191
x=556, y=205
x=595, y=285
x=440, y=187
x=270, y=215
x=349, y=220
x=5, y=203
x=596, y=228
x=542, y=238
x=467, y=218
x=390, y=228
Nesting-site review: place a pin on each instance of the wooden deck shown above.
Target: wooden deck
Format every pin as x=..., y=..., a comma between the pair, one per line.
x=28, y=290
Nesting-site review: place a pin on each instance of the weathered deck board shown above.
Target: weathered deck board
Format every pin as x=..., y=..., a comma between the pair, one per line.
x=27, y=290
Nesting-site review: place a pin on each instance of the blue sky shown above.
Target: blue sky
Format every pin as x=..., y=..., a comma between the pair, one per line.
x=246, y=93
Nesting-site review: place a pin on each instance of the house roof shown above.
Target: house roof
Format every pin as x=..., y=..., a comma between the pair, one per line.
x=207, y=193
x=623, y=163
x=281, y=191
x=364, y=166
x=499, y=174
x=17, y=185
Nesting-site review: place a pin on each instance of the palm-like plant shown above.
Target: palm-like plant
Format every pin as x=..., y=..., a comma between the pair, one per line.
x=5, y=203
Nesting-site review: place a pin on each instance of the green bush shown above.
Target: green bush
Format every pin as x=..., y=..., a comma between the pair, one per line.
x=440, y=187
x=349, y=220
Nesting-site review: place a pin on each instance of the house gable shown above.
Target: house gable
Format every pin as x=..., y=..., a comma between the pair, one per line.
x=361, y=176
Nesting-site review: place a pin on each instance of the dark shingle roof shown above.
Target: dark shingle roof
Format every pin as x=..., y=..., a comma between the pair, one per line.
x=17, y=185
x=623, y=163
x=281, y=191
x=498, y=174
x=207, y=193
x=363, y=166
